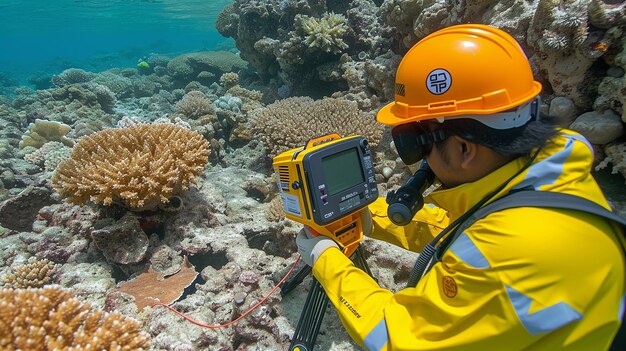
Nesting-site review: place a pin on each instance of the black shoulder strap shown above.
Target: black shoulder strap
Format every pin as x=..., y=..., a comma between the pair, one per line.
x=531, y=198
x=544, y=199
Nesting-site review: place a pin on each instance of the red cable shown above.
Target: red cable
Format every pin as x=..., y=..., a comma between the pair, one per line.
x=211, y=326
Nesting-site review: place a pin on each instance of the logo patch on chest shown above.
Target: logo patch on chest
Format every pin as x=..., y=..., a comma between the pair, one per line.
x=449, y=286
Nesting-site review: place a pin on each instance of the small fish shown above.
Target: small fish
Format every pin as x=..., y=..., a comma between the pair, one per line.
x=599, y=46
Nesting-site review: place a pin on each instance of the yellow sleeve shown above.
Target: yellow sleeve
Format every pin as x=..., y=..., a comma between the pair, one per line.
x=426, y=224
x=466, y=310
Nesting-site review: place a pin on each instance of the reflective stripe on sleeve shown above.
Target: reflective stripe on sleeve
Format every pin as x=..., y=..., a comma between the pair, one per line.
x=378, y=337
x=465, y=249
x=544, y=320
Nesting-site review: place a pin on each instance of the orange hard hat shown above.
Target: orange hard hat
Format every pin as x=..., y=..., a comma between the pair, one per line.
x=468, y=69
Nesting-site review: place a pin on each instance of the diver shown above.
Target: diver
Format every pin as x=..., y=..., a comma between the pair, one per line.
x=526, y=278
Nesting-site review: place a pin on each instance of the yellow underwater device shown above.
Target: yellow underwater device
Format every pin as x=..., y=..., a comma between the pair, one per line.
x=326, y=183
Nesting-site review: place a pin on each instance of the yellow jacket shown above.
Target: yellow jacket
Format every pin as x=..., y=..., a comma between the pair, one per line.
x=520, y=279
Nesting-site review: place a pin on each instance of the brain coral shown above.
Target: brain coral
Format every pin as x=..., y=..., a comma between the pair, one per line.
x=138, y=167
x=291, y=122
x=51, y=319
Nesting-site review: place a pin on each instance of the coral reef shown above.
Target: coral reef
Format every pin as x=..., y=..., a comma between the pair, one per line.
x=51, y=319
x=568, y=48
x=43, y=131
x=188, y=67
x=229, y=80
x=139, y=167
x=49, y=155
x=288, y=42
x=122, y=241
x=195, y=104
x=275, y=212
x=212, y=251
x=291, y=122
x=325, y=34
x=616, y=156
x=106, y=98
x=72, y=76
x=34, y=274
x=121, y=86
x=19, y=211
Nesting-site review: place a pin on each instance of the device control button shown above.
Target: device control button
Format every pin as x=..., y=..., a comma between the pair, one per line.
x=324, y=199
x=364, y=144
x=323, y=191
x=295, y=185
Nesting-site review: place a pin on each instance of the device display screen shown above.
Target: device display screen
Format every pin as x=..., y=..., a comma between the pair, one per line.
x=342, y=171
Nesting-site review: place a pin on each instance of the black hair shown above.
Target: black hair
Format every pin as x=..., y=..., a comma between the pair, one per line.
x=508, y=142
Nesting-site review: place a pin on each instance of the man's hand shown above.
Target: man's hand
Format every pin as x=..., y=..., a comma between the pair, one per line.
x=311, y=247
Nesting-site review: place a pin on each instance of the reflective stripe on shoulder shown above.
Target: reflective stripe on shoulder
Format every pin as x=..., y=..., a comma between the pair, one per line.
x=545, y=320
x=547, y=171
x=378, y=337
x=465, y=249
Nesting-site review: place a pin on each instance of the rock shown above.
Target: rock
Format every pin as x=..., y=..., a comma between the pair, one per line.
x=18, y=213
x=240, y=297
x=387, y=172
x=122, y=242
x=563, y=109
x=599, y=127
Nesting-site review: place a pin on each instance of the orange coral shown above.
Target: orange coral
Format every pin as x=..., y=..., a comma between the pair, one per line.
x=51, y=319
x=139, y=167
x=292, y=122
x=34, y=274
x=152, y=287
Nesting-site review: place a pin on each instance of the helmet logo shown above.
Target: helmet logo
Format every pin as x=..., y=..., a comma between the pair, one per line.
x=438, y=81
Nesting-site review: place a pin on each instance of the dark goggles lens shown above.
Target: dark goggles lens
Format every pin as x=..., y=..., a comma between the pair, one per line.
x=413, y=142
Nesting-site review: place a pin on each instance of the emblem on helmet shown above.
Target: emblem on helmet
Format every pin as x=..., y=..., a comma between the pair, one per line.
x=438, y=81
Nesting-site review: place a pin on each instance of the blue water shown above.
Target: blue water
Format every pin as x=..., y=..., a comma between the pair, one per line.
x=39, y=37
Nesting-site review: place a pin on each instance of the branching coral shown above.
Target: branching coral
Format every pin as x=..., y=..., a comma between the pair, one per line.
x=138, y=167
x=51, y=319
x=292, y=122
x=35, y=274
x=325, y=34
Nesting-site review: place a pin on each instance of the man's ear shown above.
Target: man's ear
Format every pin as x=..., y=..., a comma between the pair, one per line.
x=467, y=152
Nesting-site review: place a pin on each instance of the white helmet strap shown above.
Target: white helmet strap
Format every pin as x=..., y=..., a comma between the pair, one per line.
x=508, y=119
